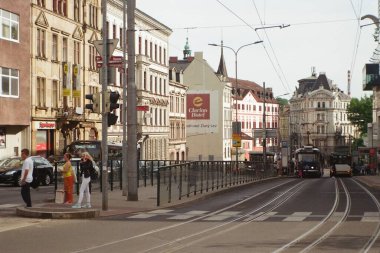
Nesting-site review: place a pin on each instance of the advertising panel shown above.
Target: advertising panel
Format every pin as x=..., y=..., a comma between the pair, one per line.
x=202, y=112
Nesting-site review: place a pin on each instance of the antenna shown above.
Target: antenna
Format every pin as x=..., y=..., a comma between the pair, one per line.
x=349, y=83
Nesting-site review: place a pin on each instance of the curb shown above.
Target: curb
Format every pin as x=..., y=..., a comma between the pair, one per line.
x=43, y=213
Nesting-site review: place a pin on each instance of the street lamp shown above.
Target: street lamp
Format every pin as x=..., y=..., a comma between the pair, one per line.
x=238, y=129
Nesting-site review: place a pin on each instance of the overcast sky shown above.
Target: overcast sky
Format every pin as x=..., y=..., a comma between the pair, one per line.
x=325, y=34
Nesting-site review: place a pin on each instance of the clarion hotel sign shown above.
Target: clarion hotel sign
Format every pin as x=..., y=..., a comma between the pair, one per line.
x=198, y=106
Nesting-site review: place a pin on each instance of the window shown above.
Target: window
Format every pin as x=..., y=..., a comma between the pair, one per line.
x=40, y=92
x=54, y=95
x=151, y=83
x=76, y=52
x=160, y=54
x=146, y=47
x=93, y=22
x=145, y=80
x=41, y=3
x=9, y=29
x=92, y=57
x=114, y=31
x=9, y=82
x=171, y=103
x=41, y=43
x=54, y=53
x=64, y=49
x=155, y=52
x=76, y=10
x=151, y=50
x=60, y=7
x=140, y=45
x=121, y=37
x=164, y=56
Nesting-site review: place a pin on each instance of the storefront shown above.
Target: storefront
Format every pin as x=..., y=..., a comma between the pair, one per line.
x=44, y=138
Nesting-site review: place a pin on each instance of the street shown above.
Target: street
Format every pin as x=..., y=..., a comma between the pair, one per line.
x=282, y=215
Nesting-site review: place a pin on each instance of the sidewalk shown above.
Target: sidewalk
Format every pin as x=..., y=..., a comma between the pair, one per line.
x=118, y=204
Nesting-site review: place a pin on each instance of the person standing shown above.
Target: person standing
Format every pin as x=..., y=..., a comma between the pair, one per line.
x=86, y=165
x=26, y=177
x=68, y=179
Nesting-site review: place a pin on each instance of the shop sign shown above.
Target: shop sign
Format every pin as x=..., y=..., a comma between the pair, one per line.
x=45, y=125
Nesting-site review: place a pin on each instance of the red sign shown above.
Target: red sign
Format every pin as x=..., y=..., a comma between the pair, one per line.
x=116, y=59
x=144, y=108
x=198, y=106
x=98, y=58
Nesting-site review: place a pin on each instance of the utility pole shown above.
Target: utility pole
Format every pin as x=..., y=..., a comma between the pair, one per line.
x=104, y=113
x=132, y=113
x=124, y=111
x=264, y=132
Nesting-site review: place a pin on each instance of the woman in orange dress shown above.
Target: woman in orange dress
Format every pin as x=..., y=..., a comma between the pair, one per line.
x=68, y=179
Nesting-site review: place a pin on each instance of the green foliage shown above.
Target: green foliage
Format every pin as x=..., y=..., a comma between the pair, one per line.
x=282, y=102
x=360, y=113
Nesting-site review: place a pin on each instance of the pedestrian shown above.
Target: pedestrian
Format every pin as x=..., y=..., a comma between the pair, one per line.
x=86, y=165
x=68, y=178
x=26, y=177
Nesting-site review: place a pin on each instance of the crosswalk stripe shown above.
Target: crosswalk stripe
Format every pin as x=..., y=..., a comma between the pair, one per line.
x=142, y=216
x=297, y=216
x=161, y=211
x=266, y=216
x=222, y=216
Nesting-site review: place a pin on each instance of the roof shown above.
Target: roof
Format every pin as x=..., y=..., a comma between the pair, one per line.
x=245, y=86
x=179, y=64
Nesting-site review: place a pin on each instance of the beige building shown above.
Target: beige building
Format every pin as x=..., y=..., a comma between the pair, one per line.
x=177, y=115
x=208, y=109
x=318, y=115
x=14, y=77
x=63, y=69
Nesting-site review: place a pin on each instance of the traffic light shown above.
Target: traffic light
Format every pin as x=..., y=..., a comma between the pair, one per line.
x=111, y=119
x=95, y=105
x=112, y=98
x=111, y=101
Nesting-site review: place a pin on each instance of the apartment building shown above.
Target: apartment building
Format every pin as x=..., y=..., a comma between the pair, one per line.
x=15, y=86
x=63, y=69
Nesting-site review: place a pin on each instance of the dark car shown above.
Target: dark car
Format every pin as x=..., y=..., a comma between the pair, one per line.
x=43, y=170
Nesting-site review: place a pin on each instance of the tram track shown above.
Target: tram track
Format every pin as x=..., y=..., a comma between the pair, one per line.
x=249, y=216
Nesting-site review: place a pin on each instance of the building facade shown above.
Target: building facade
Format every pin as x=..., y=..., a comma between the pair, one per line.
x=177, y=115
x=208, y=109
x=318, y=115
x=15, y=83
x=63, y=69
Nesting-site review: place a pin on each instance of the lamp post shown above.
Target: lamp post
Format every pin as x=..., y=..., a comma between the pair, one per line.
x=238, y=129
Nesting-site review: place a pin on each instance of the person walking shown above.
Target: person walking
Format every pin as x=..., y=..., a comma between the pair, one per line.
x=86, y=165
x=26, y=177
x=68, y=179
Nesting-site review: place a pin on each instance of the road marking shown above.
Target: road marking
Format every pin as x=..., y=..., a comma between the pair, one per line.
x=266, y=216
x=222, y=216
x=4, y=206
x=187, y=215
x=161, y=211
x=142, y=216
x=297, y=216
x=370, y=217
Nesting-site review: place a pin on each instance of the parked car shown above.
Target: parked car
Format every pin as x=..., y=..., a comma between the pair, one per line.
x=11, y=174
x=10, y=162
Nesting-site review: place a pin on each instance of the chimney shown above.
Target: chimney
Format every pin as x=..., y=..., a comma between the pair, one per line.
x=173, y=59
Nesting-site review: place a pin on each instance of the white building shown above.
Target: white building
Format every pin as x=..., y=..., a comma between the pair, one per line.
x=318, y=115
x=152, y=81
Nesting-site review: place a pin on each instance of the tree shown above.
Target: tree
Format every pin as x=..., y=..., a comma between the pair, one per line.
x=360, y=113
x=282, y=102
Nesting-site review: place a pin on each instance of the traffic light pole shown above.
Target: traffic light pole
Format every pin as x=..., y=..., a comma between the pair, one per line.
x=131, y=108
x=104, y=112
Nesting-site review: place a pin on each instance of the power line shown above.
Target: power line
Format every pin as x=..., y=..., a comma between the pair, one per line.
x=357, y=37
x=265, y=49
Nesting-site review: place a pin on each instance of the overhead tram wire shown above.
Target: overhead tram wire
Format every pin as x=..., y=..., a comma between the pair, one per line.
x=357, y=36
x=265, y=49
x=270, y=44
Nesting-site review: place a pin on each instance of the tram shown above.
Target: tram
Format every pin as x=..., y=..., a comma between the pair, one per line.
x=309, y=162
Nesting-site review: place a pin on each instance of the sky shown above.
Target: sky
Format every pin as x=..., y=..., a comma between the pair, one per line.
x=324, y=34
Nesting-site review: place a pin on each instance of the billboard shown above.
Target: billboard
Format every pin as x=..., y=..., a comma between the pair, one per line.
x=202, y=112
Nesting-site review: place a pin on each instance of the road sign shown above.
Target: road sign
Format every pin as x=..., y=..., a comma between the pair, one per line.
x=236, y=140
x=98, y=58
x=144, y=108
x=111, y=45
x=270, y=133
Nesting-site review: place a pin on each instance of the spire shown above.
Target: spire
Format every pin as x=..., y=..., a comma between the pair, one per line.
x=186, y=50
x=222, y=70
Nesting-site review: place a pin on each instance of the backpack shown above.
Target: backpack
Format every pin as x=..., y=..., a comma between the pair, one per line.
x=93, y=173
